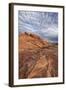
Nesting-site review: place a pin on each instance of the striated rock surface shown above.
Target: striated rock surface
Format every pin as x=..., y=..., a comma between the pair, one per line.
x=37, y=57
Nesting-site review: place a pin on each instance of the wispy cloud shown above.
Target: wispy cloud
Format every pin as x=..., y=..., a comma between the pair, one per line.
x=45, y=24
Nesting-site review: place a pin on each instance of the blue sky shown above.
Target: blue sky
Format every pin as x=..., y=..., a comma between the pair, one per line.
x=44, y=24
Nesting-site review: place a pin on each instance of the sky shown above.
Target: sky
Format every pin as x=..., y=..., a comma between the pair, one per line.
x=44, y=24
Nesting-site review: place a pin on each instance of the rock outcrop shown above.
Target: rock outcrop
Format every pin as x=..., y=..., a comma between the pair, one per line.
x=37, y=57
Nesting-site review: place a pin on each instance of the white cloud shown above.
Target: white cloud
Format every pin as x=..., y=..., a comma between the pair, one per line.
x=43, y=23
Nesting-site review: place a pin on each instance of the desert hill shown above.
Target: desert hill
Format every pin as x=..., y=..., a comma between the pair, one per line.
x=37, y=57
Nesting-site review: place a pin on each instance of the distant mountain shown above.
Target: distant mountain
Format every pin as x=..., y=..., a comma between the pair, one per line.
x=37, y=57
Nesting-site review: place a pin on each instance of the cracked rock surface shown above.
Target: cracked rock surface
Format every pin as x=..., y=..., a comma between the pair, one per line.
x=38, y=58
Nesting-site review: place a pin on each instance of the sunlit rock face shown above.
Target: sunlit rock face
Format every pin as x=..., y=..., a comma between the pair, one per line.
x=44, y=24
x=38, y=58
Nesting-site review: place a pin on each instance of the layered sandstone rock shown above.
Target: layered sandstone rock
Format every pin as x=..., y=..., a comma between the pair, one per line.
x=37, y=57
